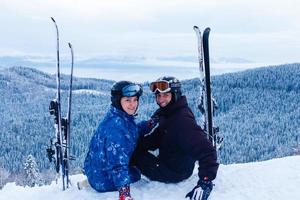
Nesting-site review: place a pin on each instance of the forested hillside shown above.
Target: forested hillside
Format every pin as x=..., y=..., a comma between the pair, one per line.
x=258, y=115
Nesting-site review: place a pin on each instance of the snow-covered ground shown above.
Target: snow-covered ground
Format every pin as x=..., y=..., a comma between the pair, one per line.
x=275, y=179
x=94, y=92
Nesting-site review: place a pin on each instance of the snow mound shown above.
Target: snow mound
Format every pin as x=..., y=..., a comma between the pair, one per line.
x=268, y=180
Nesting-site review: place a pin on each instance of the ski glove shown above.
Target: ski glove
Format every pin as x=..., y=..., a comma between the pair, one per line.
x=151, y=124
x=154, y=119
x=201, y=191
x=124, y=193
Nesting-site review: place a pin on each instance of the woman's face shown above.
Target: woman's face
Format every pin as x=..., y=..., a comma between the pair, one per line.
x=129, y=104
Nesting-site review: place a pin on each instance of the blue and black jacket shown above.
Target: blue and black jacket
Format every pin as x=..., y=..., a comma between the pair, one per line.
x=107, y=162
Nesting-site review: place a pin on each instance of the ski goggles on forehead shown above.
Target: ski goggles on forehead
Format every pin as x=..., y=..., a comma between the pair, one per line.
x=161, y=86
x=132, y=90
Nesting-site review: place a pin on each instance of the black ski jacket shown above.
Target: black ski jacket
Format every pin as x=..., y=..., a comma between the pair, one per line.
x=181, y=141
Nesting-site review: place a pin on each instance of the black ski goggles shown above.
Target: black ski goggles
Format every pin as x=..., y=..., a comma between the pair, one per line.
x=161, y=86
x=132, y=90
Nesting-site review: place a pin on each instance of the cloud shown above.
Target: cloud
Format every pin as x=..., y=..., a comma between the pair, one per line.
x=151, y=27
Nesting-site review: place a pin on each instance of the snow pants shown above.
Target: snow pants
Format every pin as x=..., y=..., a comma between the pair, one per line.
x=155, y=169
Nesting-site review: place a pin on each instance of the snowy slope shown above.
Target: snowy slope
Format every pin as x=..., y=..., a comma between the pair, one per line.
x=275, y=179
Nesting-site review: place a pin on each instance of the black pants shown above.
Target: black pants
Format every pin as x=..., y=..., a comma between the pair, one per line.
x=155, y=169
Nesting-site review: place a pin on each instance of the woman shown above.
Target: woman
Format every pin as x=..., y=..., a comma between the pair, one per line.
x=107, y=162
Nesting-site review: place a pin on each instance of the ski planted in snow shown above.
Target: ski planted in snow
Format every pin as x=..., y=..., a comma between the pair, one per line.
x=59, y=150
x=207, y=105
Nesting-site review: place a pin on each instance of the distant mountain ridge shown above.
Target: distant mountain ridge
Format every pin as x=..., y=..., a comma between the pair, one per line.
x=259, y=113
x=44, y=61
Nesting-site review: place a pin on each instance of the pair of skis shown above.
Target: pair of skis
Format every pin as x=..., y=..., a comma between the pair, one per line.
x=207, y=104
x=59, y=150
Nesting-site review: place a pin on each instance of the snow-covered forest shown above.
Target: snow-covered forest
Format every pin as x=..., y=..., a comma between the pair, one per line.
x=258, y=115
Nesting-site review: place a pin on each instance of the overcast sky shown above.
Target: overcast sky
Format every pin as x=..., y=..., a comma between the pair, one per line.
x=256, y=30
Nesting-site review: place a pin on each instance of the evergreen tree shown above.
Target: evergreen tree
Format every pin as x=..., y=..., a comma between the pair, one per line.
x=4, y=174
x=32, y=174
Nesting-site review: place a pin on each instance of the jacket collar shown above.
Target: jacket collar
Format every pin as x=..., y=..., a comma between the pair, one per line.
x=121, y=113
x=171, y=108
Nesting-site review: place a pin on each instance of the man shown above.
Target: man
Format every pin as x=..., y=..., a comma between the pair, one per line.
x=180, y=141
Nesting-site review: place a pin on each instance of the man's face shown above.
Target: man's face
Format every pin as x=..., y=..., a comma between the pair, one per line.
x=163, y=99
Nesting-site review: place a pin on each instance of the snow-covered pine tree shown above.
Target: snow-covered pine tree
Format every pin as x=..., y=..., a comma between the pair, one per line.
x=32, y=174
x=4, y=174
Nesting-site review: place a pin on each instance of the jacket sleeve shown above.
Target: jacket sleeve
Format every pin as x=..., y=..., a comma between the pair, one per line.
x=118, y=156
x=143, y=128
x=194, y=141
x=150, y=141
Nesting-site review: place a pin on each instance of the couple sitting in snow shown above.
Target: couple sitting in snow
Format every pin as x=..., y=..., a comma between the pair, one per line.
x=119, y=150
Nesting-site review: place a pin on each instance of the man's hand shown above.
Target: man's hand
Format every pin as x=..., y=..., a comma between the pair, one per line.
x=154, y=119
x=201, y=191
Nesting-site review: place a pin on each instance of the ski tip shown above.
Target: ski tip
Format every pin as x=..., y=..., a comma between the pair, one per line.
x=207, y=29
x=195, y=28
x=53, y=19
x=70, y=45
